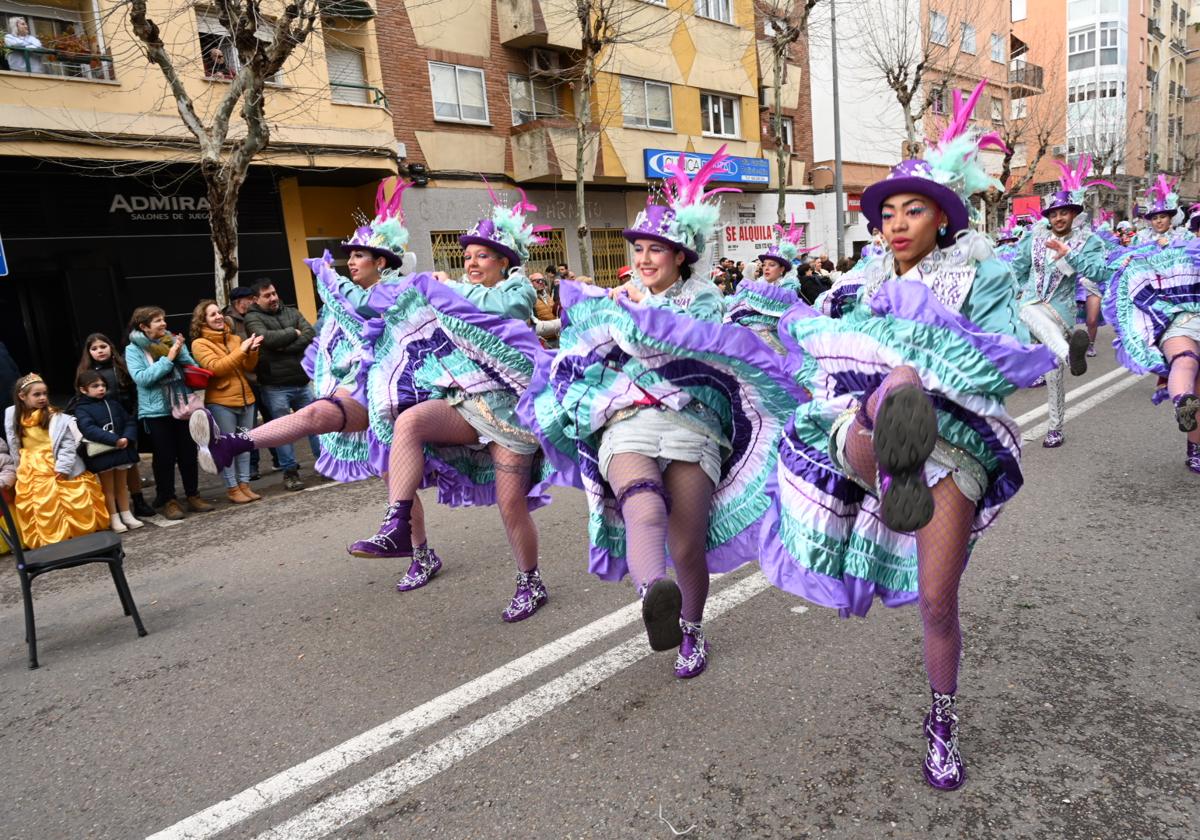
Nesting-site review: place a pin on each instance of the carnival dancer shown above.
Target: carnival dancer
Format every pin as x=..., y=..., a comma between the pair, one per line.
x=1161, y=211
x=1007, y=238
x=759, y=304
x=906, y=455
x=1049, y=262
x=354, y=430
x=666, y=418
x=1153, y=303
x=463, y=353
x=1126, y=233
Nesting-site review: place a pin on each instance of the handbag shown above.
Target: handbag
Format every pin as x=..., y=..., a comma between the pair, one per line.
x=93, y=447
x=185, y=402
x=196, y=377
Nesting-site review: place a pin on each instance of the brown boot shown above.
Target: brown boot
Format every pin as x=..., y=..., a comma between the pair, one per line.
x=172, y=510
x=248, y=493
x=197, y=505
x=236, y=496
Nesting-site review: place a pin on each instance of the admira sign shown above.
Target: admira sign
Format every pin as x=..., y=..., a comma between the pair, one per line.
x=160, y=208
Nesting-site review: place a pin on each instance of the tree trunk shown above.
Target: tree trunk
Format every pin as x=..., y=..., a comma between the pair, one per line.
x=222, y=219
x=583, y=108
x=781, y=155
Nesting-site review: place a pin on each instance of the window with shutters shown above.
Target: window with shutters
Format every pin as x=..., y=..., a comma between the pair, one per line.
x=217, y=52
x=721, y=10
x=347, y=74
x=719, y=115
x=646, y=104
x=532, y=99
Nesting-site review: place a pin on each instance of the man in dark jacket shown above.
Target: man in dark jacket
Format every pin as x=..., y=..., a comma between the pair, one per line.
x=285, y=386
x=241, y=298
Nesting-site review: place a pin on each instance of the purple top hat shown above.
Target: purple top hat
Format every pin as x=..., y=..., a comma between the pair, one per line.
x=1160, y=197
x=947, y=175
x=385, y=235
x=506, y=231
x=690, y=215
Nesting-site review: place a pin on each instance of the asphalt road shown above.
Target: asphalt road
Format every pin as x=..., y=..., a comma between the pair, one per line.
x=270, y=647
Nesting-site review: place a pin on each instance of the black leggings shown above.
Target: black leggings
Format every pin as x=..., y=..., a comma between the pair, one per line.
x=172, y=444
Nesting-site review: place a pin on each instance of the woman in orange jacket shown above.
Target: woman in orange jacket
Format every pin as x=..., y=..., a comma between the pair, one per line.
x=228, y=396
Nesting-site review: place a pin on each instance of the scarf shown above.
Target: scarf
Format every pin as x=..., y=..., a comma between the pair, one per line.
x=160, y=348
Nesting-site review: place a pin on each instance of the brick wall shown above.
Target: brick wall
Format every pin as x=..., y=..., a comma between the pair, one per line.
x=802, y=140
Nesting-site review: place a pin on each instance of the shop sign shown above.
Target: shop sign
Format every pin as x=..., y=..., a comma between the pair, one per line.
x=737, y=170
x=159, y=208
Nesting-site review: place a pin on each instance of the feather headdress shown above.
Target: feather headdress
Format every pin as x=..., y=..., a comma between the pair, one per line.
x=1160, y=196
x=786, y=247
x=1073, y=185
x=690, y=214
x=506, y=229
x=384, y=235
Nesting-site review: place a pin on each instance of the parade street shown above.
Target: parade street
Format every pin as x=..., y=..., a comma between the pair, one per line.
x=287, y=690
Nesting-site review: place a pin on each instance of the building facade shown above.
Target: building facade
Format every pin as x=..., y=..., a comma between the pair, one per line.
x=488, y=89
x=106, y=212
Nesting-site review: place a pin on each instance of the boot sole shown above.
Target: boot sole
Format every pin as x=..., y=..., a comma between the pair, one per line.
x=904, y=437
x=201, y=429
x=660, y=613
x=1185, y=413
x=1077, y=347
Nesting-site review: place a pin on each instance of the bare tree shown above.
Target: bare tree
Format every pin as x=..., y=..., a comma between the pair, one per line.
x=227, y=147
x=907, y=51
x=784, y=24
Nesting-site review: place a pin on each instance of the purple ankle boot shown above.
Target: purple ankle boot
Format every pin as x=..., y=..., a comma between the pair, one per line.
x=216, y=451
x=1054, y=439
x=530, y=595
x=1193, y=457
x=394, y=538
x=693, y=651
x=943, y=766
x=425, y=564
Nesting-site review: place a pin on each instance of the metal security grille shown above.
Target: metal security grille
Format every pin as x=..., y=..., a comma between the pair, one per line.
x=448, y=254
x=609, y=253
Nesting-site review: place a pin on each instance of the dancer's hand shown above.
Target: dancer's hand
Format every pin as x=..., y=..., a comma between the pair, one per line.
x=627, y=290
x=1058, y=247
x=441, y=276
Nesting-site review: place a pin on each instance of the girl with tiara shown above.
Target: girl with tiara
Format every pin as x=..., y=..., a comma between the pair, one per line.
x=460, y=353
x=56, y=498
x=759, y=304
x=905, y=455
x=338, y=361
x=665, y=417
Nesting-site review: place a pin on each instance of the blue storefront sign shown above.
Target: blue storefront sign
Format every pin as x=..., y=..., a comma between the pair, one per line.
x=737, y=170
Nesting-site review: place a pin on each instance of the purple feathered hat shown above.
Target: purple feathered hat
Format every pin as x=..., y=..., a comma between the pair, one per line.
x=948, y=174
x=690, y=216
x=1074, y=185
x=1160, y=197
x=385, y=235
x=786, y=248
x=506, y=231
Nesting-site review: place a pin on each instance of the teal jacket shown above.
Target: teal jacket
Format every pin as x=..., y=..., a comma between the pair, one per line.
x=154, y=380
x=512, y=297
x=991, y=304
x=1087, y=259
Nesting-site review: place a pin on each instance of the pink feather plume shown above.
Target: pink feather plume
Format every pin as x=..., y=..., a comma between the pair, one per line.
x=680, y=189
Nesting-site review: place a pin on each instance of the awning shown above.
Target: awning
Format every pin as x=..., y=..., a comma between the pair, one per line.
x=352, y=9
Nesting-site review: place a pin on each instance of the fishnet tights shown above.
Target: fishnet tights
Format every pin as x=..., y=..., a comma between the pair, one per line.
x=316, y=418
x=1184, y=374
x=436, y=422
x=941, y=545
x=650, y=529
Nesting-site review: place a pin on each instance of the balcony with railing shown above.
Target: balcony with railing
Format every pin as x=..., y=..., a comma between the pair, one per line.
x=1025, y=79
x=538, y=23
x=54, y=39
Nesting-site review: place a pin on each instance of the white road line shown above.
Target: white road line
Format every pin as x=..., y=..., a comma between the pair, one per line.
x=385, y=786
x=1091, y=402
x=1073, y=394
x=241, y=806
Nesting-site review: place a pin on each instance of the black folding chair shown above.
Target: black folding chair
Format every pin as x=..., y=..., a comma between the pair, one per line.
x=101, y=547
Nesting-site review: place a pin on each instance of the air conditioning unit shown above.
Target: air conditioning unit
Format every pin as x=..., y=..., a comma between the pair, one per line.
x=1058, y=151
x=546, y=62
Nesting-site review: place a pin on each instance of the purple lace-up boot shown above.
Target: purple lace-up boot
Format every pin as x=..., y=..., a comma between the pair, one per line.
x=943, y=766
x=1193, y=457
x=1187, y=406
x=904, y=436
x=425, y=564
x=693, y=651
x=530, y=595
x=1091, y=351
x=216, y=451
x=394, y=538
x=1054, y=439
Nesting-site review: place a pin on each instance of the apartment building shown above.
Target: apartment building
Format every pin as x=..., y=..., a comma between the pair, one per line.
x=1128, y=89
x=104, y=209
x=485, y=89
x=960, y=43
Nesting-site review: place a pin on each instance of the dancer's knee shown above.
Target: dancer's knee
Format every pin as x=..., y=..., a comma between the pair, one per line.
x=939, y=610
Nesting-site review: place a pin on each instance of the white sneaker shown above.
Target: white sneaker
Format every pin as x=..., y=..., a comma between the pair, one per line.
x=116, y=524
x=128, y=518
